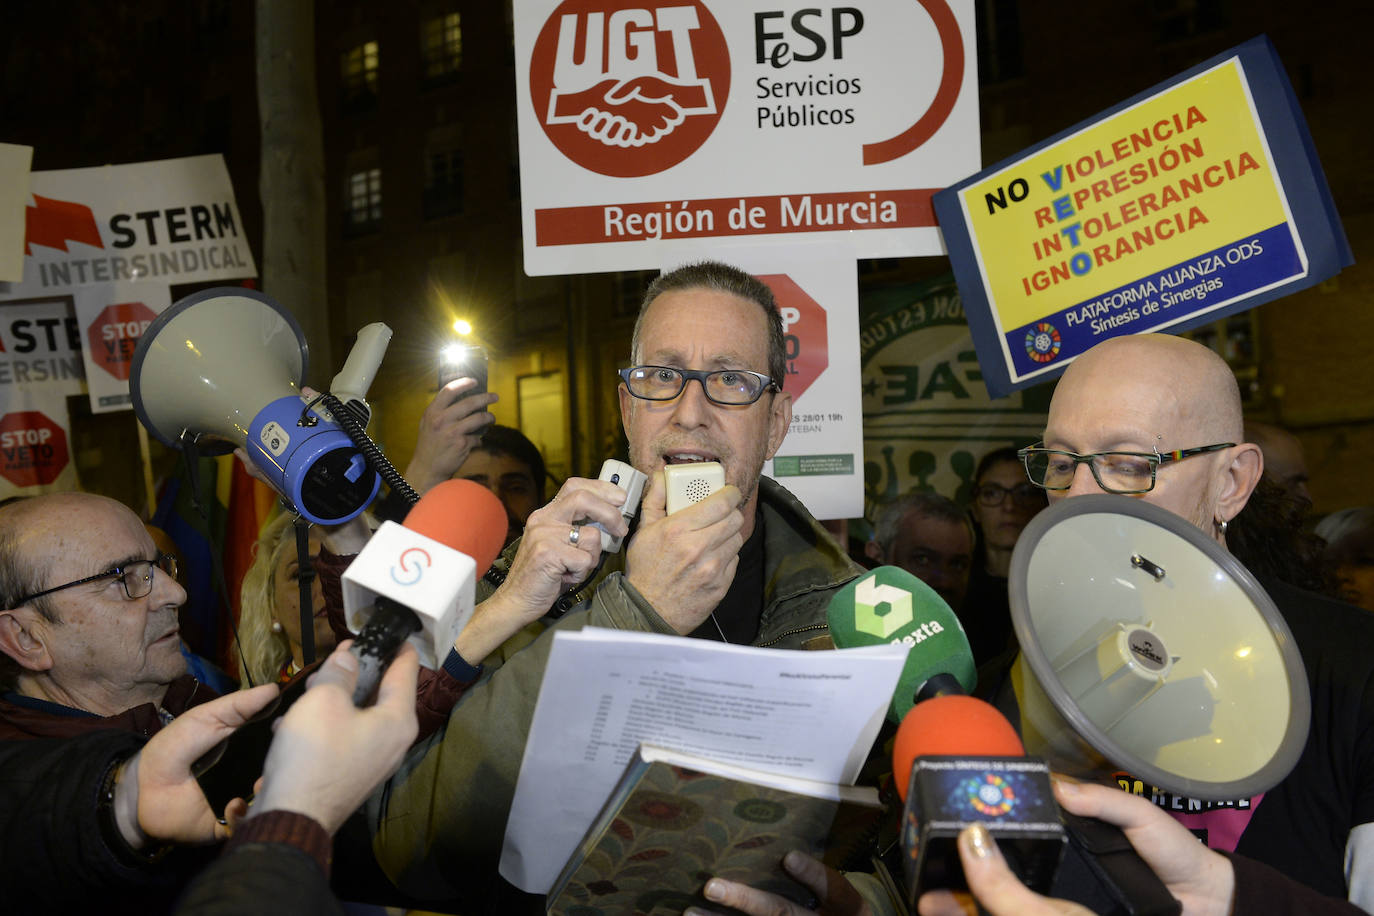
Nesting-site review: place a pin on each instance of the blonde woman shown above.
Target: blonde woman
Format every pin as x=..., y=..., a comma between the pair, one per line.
x=269, y=614
x=269, y=603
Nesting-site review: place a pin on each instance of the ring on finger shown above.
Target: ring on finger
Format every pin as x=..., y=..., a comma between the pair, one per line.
x=574, y=535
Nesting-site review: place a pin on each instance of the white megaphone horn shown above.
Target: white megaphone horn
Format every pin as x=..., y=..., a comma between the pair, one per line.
x=1147, y=647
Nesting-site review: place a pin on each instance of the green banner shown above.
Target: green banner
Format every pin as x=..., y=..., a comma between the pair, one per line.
x=812, y=465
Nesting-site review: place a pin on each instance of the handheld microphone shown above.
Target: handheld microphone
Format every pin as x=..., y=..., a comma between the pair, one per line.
x=417, y=581
x=459, y=524
x=632, y=482
x=951, y=726
x=966, y=764
x=889, y=604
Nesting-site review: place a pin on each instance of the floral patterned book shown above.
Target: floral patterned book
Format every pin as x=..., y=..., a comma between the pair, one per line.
x=676, y=820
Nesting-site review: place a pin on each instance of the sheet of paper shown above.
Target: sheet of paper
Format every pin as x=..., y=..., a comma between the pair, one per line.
x=14, y=194
x=812, y=715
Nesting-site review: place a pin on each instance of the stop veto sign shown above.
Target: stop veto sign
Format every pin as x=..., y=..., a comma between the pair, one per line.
x=114, y=334
x=33, y=449
x=805, y=338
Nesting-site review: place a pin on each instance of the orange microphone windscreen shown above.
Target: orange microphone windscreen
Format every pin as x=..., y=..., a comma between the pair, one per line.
x=465, y=516
x=955, y=726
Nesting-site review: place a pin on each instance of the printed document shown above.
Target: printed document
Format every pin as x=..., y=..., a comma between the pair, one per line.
x=811, y=715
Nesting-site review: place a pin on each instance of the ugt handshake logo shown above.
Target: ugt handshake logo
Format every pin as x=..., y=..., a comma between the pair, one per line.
x=637, y=110
x=629, y=91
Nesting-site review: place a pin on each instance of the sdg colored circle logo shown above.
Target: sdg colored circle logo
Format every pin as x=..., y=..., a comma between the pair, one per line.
x=1043, y=342
x=992, y=795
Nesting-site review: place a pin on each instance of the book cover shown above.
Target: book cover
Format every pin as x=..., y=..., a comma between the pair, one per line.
x=676, y=820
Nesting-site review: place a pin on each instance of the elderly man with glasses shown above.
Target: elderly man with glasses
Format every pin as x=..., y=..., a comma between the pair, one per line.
x=748, y=564
x=1158, y=418
x=930, y=537
x=88, y=629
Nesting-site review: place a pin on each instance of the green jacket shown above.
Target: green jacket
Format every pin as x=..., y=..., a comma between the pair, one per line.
x=439, y=823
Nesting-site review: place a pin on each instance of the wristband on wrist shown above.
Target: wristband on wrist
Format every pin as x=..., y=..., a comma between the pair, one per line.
x=109, y=822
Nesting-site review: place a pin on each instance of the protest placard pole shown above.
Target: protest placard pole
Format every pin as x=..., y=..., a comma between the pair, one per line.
x=146, y=457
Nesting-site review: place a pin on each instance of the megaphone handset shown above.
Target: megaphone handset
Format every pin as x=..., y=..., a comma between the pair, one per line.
x=355, y=378
x=634, y=483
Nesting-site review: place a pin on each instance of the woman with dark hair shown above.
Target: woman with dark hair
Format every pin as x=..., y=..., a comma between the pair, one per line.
x=1267, y=536
x=1003, y=503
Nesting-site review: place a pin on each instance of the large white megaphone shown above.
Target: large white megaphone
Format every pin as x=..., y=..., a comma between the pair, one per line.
x=1147, y=647
x=223, y=368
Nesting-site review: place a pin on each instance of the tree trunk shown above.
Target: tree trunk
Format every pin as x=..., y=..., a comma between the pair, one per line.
x=292, y=182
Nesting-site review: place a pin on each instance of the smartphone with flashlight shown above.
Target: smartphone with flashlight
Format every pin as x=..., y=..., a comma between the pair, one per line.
x=463, y=361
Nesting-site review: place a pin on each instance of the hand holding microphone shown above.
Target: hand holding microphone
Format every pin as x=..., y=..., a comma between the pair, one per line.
x=327, y=755
x=958, y=761
x=560, y=547
x=418, y=581
x=955, y=758
x=459, y=526
x=1203, y=881
x=683, y=563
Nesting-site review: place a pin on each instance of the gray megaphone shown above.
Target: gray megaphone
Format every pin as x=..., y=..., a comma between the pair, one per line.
x=223, y=368
x=1147, y=647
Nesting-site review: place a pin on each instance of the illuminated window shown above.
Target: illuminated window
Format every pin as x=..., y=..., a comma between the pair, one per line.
x=441, y=45
x=363, y=205
x=359, y=74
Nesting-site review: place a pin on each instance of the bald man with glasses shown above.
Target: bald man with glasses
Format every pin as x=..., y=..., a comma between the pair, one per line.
x=1158, y=418
x=88, y=621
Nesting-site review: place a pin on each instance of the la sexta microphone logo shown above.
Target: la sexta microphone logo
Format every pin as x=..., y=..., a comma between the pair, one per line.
x=629, y=89
x=881, y=610
x=410, y=567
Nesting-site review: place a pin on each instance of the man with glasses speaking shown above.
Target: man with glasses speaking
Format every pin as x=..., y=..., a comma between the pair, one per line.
x=748, y=564
x=1159, y=418
x=88, y=621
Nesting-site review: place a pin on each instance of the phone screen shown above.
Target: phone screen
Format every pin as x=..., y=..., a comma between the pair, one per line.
x=460, y=361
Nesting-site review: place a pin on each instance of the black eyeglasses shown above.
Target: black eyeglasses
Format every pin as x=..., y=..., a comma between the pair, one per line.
x=1025, y=494
x=136, y=576
x=1115, y=472
x=730, y=387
